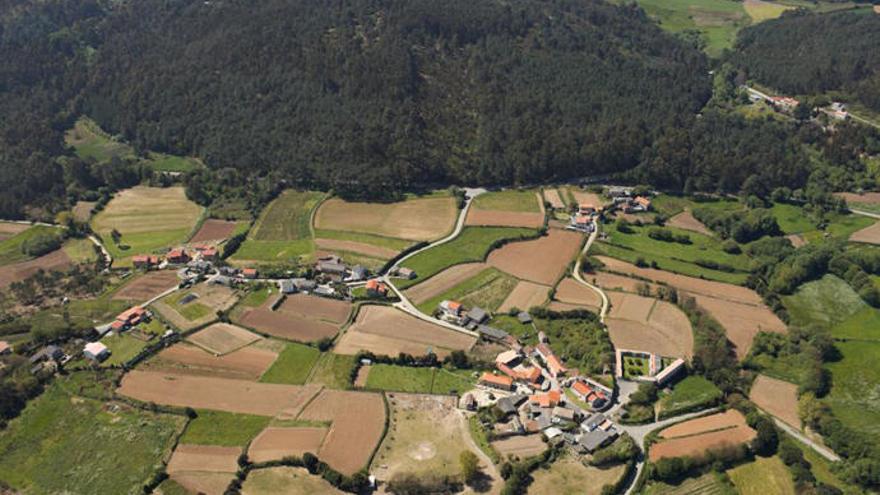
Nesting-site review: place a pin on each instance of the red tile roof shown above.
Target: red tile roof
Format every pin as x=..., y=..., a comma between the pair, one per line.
x=503, y=381
x=581, y=388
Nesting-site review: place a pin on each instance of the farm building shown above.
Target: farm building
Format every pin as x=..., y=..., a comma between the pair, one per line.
x=619, y=192
x=581, y=223
x=286, y=286
x=132, y=316
x=555, y=366
x=468, y=402
x=586, y=209
x=357, y=274
x=476, y=315
x=784, y=103
x=563, y=414
x=509, y=358
x=177, y=256
x=596, y=439
x=144, y=261
x=406, y=273
x=495, y=381
x=376, y=288
x=96, y=351
x=208, y=253
x=637, y=204
x=524, y=317
x=50, y=352
x=304, y=284
x=332, y=267
x=491, y=334
x=669, y=372
x=5, y=348
x=250, y=273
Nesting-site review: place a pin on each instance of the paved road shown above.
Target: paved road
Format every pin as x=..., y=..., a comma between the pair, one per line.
x=865, y=213
x=405, y=304
x=580, y=278
x=820, y=449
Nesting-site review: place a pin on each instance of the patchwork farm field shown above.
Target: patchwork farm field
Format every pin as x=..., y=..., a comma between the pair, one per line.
x=42, y=450
x=524, y=296
x=686, y=221
x=300, y=317
x=278, y=442
x=203, y=468
x=15, y=235
x=687, y=395
x=569, y=476
x=855, y=379
x=707, y=484
x=471, y=245
x=188, y=309
x=387, y=331
x=358, y=422
x=416, y=219
x=869, y=235
x=443, y=281
x=282, y=232
x=223, y=338
x=694, y=437
x=487, y=290
x=542, y=260
x=149, y=219
x=436, y=381
x=213, y=230
x=147, y=286
x=248, y=363
x=762, y=476
x=570, y=291
x=776, y=397
x=223, y=428
x=287, y=480
x=509, y=208
x=647, y=324
x=293, y=365
x=425, y=436
x=57, y=260
x=827, y=302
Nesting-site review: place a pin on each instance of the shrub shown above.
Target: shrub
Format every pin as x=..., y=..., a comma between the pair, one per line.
x=41, y=244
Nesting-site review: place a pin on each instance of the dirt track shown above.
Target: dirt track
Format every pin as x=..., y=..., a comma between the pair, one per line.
x=222, y=394
x=443, y=281
x=56, y=260
x=358, y=422
x=541, y=260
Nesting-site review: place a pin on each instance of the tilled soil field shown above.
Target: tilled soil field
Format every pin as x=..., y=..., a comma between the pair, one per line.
x=321, y=308
x=358, y=421
x=542, y=260
x=612, y=281
x=213, y=230
x=552, y=196
x=697, y=445
x=443, y=281
x=647, y=324
x=868, y=197
x=222, y=394
x=370, y=250
x=10, y=229
x=569, y=291
x=223, y=338
x=685, y=220
x=778, y=398
x=207, y=483
x=504, y=218
x=148, y=286
x=204, y=458
x=870, y=235
x=420, y=219
x=712, y=422
x=521, y=446
x=524, y=296
x=288, y=326
x=56, y=260
x=248, y=363
x=275, y=443
x=385, y=330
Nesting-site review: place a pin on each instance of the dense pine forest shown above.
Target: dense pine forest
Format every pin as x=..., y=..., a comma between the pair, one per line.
x=804, y=53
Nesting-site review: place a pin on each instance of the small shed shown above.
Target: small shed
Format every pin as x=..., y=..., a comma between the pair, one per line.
x=96, y=351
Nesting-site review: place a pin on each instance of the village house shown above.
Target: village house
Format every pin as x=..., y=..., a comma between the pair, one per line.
x=594, y=440
x=524, y=317
x=549, y=399
x=492, y=334
x=375, y=288
x=476, y=315
x=96, y=351
x=595, y=398
x=616, y=192
x=405, y=273
x=177, y=256
x=304, y=284
x=561, y=414
x=581, y=223
x=249, y=273
x=357, y=274
x=208, y=253
x=286, y=286
x=332, y=267
x=5, y=348
x=586, y=209
x=144, y=261
x=496, y=381
x=451, y=310
x=637, y=205
x=784, y=103
x=132, y=316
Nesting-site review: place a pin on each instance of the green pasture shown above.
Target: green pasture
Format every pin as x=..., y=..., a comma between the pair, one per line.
x=223, y=428
x=855, y=379
x=292, y=365
x=762, y=476
x=688, y=394
x=62, y=443
x=287, y=217
x=508, y=200
x=10, y=249
x=371, y=239
x=333, y=371
x=394, y=378
x=827, y=302
x=122, y=348
x=472, y=244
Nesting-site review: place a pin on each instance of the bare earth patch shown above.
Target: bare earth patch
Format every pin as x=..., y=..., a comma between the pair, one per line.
x=697, y=445
x=552, y=196
x=356, y=247
x=358, y=421
x=868, y=197
x=443, y=281
x=223, y=338
x=363, y=374
x=248, y=363
x=321, y=308
x=870, y=235
x=148, y=286
x=796, y=240
x=646, y=324
x=275, y=443
x=521, y=446
x=570, y=291
x=222, y=394
x=213, y=230
x=712, y=422
x=385, y=330
x=420, y=219
x=207, y=483
x=524, y=296
x=685, y=220
x=288, y=326
x=56, y=260
x=209, y=458
x=582, y=197
x=504, y=218
x=612, y=281
x=630, y=306
x=778, y=398
x=542, y=260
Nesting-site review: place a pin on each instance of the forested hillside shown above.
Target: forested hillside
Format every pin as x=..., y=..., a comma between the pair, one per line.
x=365, y=96
x=802, y=53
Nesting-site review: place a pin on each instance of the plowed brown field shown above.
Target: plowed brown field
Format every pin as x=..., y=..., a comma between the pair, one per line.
x=248, y=363
x=321, y=308
x=524, y=296
x=443, y=281
x=10, y=229
x=356, y=247
x=213, y=230
x=358, y=421
x=223, y=338
x=288, y=326
x=275, y=443
x=712, y=422
x=56, y=260
x=210, y=458
x=868, y=197
x=778, y=398
x=685, y=220
x=570, y=291
x=697, y=445
x=646, y=324
x=504, y=218
x=612, y=281
x=385, y=330
x=419, y=219
x=630, y=306
x=552, y=196
x=870, y=235
x=207, y=483
x=221, y=394
x=582, y=196
x=148, y=286
x=542, y=260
